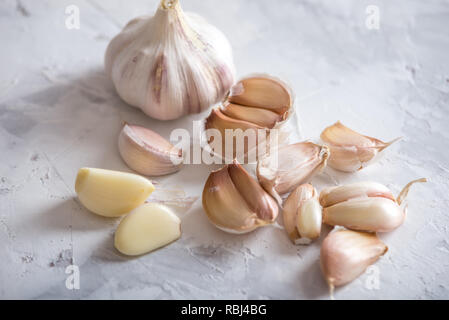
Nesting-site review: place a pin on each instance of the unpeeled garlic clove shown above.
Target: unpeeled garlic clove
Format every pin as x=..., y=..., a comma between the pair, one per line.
x=262, y=92
x=350, y=150
x=259, y=106
x=290, y=166
x=333, y=195
x=302, y=215
x=261, y=117
x=147, y=153
x=147, y=228
x=111, y=193
x=365, y=214
x=346, y=254
x=234, y=202
x=365, y=206
x=232, y=134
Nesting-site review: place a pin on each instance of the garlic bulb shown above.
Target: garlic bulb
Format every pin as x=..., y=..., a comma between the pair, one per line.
x=171, y=64
x=302, y=215
x=365, y=206
x=147, y=152
x=346, y=254
x=351, y=151
x=290, y=166
x=256, y=107
x=234, y=201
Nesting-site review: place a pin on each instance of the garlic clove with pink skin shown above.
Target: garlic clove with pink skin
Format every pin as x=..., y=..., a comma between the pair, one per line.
x=333, y=195
x=147, y=153
x=289, y=166
x=350, y=150
x=253, y=114
x=234, y=202
x=171, y=64
x=302, y=215
x=364, y=206
x=345, y=255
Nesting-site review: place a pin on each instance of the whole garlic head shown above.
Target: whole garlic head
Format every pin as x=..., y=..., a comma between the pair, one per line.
x=171, y=64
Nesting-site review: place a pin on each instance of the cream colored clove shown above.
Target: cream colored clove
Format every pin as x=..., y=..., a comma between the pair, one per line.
x=290, y=166
x=111, y=193
x=234, y=201
x=345, y=255
x=147, y=153
x=302, y=215
x=147, y=228
x=350, y=150
x=365, y=206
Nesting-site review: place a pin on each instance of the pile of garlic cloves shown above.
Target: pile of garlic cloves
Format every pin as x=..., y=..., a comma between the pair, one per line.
x=173, y=64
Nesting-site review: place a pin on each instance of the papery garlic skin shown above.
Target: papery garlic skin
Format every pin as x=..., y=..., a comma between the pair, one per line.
x=290, y=166
x=111, y=193
x=147, y=153
x=346, y=254
x=350, y=150
x=171, y=64
x=234, y=202
x=147, y=228
x=302, y=215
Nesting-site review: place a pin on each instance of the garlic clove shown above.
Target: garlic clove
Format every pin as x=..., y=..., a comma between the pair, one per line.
x=334, y=195
x=374, y=214
x=234, y=202
x=350, y=150
x=170, y=64
x=302, y=215
x=346, y=254
x=148, y=153
x=261, y=117
x=111, y=193
x=309, y=219
x=262, y=92
x=233, y=133
x=290, y=166
x=147, y=228
x=366, y=206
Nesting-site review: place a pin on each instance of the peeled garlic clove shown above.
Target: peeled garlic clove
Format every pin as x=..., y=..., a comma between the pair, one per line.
x=261, y=117
x=346, y=254
x=147, y=228
x=148, y=153
x=302, y=215
x=262, y=92
x=290, y=166
x=171, y=64
x=365, y=214
x=334, y=195
x=351, y=151
x=111, y=193
x=234, y=202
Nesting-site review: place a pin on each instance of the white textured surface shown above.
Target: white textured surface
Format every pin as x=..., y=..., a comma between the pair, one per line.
x=58, y=112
